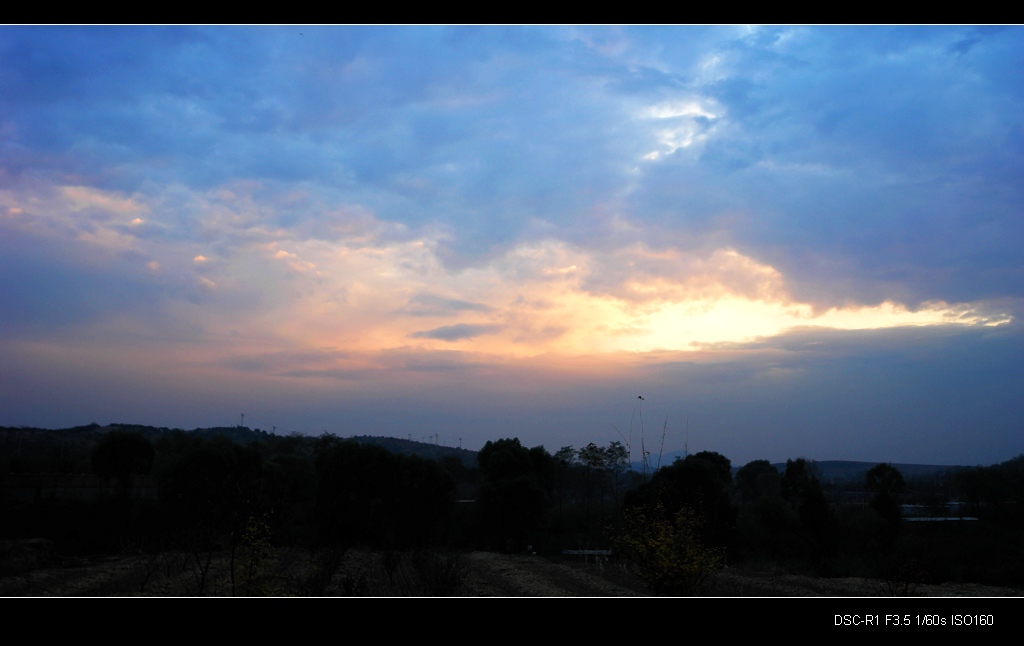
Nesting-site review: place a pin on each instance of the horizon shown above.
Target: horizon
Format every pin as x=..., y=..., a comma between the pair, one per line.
x=633, y=464
x=785, y=240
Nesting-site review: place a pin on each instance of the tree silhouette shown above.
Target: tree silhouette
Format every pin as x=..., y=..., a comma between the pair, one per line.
x=120, y=455
x=366, y=494
x=887, y=483
x=885, y=479
x=800, y=485
x=758, y=480
x=513, y=497
x=699, y=483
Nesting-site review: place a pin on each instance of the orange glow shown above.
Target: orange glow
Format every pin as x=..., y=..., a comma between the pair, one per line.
x=358, y=292
x=541, y=299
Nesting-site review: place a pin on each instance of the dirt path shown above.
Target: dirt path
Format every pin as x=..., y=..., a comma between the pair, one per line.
x=507, y=575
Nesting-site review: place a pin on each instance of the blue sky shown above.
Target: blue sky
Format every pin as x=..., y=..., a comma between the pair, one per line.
x=794, y=241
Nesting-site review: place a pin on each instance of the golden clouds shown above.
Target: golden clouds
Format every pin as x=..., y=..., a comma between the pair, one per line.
x=551, y=298
x=360, y=285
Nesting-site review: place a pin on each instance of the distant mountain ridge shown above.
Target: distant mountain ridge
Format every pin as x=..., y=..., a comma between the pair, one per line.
x=421, y=449
x=79, y=439
x=24, y=438
x=848, y=470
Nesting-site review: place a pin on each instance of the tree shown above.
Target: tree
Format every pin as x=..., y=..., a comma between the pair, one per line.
x=719, y=461
x=758, y=480
x=513, y=497
x=504, y=459
x=800, y=479
x=592, y=458
x=208, y=492
x=885, y=479
x=566, y=455
x=800, y=485
x=887, y=483
x=122, y=454
x=699, y=483
x=369, y=495
x=616, y=461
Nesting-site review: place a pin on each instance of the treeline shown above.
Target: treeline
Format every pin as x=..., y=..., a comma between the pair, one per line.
x=249, y=492
x=209, y=486
x=790, y=521
x=212, y=486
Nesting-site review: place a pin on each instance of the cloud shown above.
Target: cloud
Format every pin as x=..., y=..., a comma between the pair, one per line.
x=363, y=286
x=434, y=305
x=244, y=202
x=888, y=153
x=456, y=332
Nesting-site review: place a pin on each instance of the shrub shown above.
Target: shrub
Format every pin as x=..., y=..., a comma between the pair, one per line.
x=666, y=551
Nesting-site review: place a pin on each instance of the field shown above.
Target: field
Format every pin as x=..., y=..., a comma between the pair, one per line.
x=30, y=571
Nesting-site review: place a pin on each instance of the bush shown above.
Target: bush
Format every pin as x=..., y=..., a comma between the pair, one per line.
x=666, y=552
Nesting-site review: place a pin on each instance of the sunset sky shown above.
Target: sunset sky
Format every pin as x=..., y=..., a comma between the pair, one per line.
x=791, y=241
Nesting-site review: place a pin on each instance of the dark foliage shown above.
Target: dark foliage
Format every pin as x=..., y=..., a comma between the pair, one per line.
x=513, y=497
x=801, y=486
x=699, y=483
x=758, y=480
x=250, y=492
x=368, y=496
x=121, y=454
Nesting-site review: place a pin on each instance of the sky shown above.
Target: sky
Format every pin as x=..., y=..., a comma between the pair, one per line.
x=790, y=241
